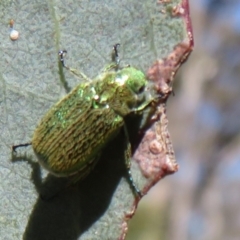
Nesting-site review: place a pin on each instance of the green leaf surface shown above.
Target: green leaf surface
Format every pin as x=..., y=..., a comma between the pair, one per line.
x=31, y=81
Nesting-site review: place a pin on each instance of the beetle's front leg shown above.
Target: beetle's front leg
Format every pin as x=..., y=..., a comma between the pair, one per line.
x=75, y=72
x=114, y=65
x=147, y=108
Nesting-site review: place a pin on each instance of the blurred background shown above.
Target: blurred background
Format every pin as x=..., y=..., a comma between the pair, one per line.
x=202, y=200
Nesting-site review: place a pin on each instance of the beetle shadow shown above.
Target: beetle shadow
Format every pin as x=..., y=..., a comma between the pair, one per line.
x=75, y=208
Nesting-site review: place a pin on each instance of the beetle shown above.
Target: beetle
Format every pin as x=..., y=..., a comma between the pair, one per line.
x=69, y=139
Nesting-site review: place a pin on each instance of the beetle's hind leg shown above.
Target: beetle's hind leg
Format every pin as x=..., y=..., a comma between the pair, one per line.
x=75, y=72
x=127, y=156
x=14, y=147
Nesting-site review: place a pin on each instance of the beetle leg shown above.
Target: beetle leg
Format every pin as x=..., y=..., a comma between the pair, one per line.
x=14, y=147
x=127, y=156
x=115, y=57
x=145, y=105
x=75, y=72
x=114, y=65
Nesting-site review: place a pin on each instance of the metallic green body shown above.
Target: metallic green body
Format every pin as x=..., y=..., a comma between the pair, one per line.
x=71, y=135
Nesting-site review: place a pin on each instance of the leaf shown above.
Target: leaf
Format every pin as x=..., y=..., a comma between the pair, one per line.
x=31, y=80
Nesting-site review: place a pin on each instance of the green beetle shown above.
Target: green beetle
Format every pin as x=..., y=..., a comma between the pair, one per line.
x=72, y=134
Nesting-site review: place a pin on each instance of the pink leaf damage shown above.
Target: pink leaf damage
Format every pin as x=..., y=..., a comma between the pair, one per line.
x=155, y=155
